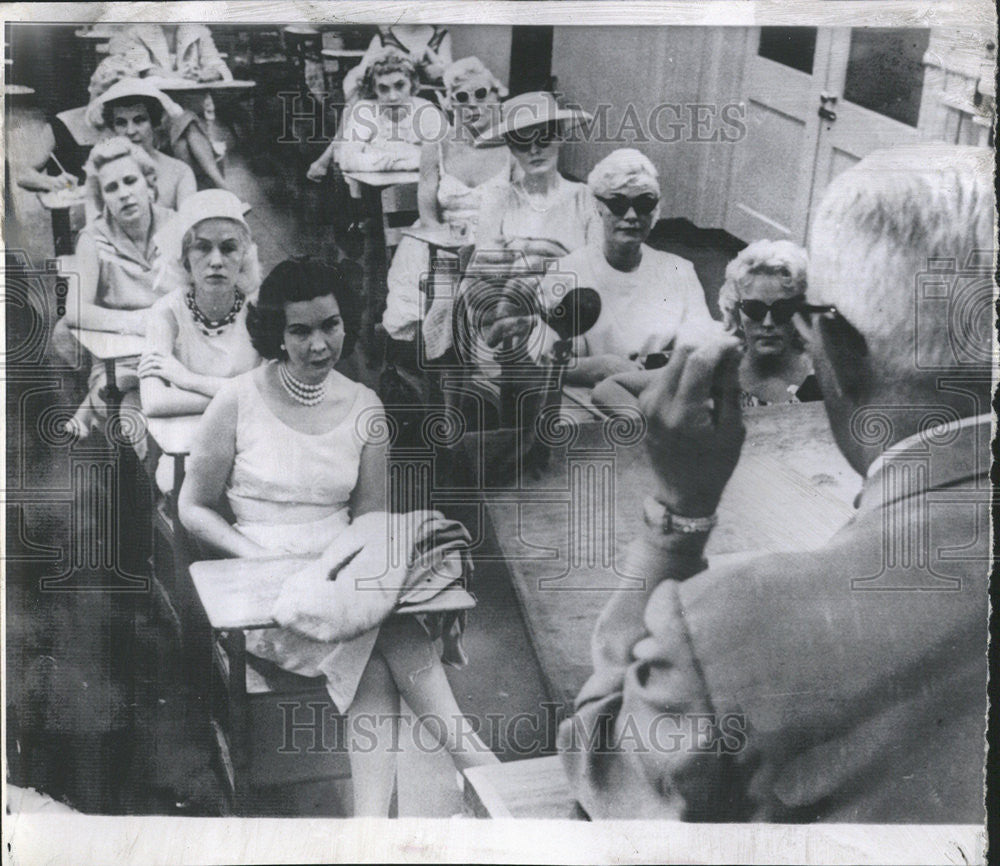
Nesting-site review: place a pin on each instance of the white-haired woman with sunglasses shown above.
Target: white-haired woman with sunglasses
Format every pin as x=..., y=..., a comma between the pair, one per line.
x=646, y=295
x=765, y=284
x=454, y=177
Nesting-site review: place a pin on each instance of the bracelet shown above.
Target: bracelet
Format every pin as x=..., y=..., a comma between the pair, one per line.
x=661, y=519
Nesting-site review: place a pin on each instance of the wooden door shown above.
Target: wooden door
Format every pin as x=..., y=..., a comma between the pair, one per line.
x=871, y=99
x=784, y=76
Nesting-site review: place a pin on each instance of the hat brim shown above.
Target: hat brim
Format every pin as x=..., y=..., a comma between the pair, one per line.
x=495, y=135
x=95, y=110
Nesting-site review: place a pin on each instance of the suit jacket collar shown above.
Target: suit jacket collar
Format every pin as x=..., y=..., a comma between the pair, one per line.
x=942, y=457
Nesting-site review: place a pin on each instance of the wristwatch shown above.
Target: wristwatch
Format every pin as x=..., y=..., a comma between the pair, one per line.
x=660, y=518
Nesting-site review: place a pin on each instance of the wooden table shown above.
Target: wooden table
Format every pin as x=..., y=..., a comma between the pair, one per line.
x=563, y=536
x=370, y=184
x=532, y=788
x=437, y=238
x=110, y=347
x=234, y=86
x=174, y=437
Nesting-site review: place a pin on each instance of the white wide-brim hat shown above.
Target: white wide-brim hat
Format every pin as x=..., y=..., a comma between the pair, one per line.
x=527, y=110
x=137, y=87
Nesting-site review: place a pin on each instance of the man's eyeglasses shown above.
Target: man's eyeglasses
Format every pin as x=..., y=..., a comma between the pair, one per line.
x=619, y=204
x=463, y=96
x=783, y=309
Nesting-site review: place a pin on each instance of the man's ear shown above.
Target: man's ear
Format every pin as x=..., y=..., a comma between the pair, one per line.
x=846, y=355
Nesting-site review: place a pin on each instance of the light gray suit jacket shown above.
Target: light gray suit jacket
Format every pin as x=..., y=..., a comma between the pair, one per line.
x=844, y=684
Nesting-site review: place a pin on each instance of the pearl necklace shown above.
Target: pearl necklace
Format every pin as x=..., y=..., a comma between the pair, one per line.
x=300, y=392
x=214, y=327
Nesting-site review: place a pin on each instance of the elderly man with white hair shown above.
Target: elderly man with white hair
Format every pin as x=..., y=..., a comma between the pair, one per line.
x=846, y=683
x=646, y=295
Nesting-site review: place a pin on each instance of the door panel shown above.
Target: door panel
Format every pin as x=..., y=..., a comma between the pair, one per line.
x=775, y=160
x=858, y=130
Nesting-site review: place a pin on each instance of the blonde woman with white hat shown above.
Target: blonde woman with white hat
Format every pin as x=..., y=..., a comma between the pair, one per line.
x=196, y=336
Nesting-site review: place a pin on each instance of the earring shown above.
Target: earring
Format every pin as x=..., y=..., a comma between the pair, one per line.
x=283, y=349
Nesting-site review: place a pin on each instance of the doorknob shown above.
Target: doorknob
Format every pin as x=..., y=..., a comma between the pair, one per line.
x=826, y=113
x=824, y=98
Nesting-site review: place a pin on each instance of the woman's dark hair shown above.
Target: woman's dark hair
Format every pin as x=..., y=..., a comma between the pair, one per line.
x=154, y=108
x=302, y=279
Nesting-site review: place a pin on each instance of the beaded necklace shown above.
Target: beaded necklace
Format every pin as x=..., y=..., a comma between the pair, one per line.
x=214, y=327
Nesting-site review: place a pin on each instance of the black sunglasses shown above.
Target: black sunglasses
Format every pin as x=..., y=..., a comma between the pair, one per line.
x=463, y=96
x=524, y=143
x=619, y=204
x=783, y=309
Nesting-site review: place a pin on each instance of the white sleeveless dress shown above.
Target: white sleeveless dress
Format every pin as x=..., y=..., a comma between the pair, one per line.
x=275, y=491
x=225, y=354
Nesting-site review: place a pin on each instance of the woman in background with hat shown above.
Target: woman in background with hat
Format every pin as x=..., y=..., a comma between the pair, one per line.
x=133, y=108
x=541, y=214
x=182, y=134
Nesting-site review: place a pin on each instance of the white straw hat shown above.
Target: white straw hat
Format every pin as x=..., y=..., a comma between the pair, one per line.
x=136, y=87
x=527, y=110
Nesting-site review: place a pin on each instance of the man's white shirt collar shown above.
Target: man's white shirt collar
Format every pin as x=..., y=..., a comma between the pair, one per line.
x=935, y=432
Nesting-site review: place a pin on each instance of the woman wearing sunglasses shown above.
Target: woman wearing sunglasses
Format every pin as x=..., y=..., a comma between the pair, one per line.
x=646, y=295
x=541, y=215
x=765, y=285
x=454, y=177
x=764, y=288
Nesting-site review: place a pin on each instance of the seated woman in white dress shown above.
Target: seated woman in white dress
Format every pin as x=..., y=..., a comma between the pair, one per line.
x=646, y=295
x=384, y=131
x=196, y=336
x=295, y=447
x=174, y=50
x=455, y=175
x=540, y=215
